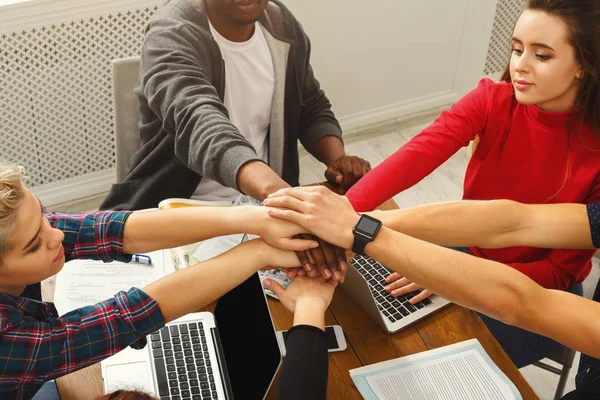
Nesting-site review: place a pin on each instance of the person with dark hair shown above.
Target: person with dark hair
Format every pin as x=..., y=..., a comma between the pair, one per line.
x=404, y=243
x=539, y=142
x=226, y=91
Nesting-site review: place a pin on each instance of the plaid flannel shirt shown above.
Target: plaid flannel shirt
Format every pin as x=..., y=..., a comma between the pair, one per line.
x=36, y=345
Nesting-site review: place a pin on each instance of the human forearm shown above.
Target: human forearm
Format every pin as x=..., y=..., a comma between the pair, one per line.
x=196, y=286
x=573, y=321
x=258, y=180
x=310, y=313
x=493, y=224
x=492, y=288
x=154, y=230
x=483, y=285
x=329, y=149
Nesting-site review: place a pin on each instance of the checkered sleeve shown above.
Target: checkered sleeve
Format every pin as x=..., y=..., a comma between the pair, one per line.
x=95, y=235
x=34, y=350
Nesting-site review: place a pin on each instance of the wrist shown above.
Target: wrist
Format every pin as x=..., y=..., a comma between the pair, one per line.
x=261, y=253
x=254, y=219
x=330, y=149
x=348, y=231
x=272, y=187
x=309, y=312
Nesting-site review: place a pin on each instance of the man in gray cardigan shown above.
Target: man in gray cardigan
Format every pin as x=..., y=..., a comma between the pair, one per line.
x=215, y=116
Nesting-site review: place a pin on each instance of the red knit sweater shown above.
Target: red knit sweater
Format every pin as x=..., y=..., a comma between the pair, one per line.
x=523, y=155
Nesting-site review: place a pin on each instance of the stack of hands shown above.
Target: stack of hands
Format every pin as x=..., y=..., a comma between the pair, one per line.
x=297, y=213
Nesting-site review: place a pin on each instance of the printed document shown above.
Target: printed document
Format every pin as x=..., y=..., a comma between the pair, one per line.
x=459, y=371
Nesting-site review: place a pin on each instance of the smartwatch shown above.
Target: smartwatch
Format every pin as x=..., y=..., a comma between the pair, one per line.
x=364, y=232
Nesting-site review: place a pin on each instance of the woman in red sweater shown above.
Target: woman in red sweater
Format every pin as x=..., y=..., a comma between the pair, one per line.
x=539, y=132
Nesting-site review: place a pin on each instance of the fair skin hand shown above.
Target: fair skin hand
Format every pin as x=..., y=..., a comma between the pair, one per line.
x=306, y=298
x=37, y=252
x=482, y=285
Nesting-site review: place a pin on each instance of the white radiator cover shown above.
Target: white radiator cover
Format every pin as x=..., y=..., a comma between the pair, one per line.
x=57, y=111
x=507, y=13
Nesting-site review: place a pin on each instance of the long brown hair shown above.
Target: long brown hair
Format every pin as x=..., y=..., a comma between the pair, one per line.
x=583, y=21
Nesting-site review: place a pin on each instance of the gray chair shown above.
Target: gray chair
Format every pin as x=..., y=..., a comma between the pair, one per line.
x=127, y=137
x=564, y=356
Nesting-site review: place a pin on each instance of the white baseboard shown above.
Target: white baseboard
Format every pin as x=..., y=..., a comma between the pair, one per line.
x=75, y=188
x=398, y=110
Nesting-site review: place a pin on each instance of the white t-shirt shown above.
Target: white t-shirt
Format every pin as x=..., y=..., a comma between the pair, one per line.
x=249, y=87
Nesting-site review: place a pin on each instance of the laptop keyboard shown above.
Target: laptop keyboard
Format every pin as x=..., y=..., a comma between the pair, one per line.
x=393, y=308
x=182, y=363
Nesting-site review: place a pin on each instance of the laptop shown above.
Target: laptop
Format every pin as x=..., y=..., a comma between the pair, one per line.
x=365, y=282
x=231, y=354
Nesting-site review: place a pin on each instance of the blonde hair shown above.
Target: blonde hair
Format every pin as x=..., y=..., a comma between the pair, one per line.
x=12, y=191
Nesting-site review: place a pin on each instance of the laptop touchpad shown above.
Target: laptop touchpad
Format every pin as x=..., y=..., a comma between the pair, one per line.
x=129, y=376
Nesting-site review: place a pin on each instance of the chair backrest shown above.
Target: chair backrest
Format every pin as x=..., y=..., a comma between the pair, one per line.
x=127, y=137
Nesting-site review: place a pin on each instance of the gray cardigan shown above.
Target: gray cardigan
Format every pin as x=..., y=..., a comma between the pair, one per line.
x=184, y=126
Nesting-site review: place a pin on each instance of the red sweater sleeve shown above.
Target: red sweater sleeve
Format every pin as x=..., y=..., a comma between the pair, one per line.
x=562, y=268
x=425, y=152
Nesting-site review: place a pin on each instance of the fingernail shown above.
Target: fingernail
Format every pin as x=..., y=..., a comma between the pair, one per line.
x=271, y=212
x=387, y=279
x=327, y=273
x=314, y=245
x=388, y=288
x=336, y=275
x=266, y=283
x=343, y=265
x=308, y=267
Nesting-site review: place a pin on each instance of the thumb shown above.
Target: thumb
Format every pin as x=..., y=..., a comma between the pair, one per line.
x=274, y=287
x=333, y=175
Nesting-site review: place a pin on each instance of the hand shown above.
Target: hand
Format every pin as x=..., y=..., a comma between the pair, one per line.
x=314, y=295
x=327, y=260
x=269, y=257
x=346, y=171
x=397, y=285
x=318, y=210
x=278, y=233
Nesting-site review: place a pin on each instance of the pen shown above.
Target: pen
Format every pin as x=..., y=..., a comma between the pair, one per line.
x=142, y=259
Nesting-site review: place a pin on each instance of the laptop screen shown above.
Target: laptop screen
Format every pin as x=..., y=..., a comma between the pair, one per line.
x=248, y=339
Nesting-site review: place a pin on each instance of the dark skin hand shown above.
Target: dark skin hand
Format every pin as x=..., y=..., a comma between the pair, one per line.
x=327, y=260
x=346, y=171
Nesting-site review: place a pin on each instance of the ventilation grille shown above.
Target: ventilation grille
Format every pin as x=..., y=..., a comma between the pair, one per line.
x=507, y=13
x=57, y=112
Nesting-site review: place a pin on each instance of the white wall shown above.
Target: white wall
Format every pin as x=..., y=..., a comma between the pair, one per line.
x=387, y=58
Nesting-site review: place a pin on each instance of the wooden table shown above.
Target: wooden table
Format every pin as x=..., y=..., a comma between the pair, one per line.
x=367, y=344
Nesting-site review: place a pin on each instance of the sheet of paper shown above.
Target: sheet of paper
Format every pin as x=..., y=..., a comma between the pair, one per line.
x=85, y=282
x=211, y=248
x=458, y=371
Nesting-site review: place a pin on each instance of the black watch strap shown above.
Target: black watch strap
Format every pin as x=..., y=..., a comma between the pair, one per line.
x=360, y=242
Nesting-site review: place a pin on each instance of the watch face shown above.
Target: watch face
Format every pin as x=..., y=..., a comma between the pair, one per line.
x=367, y=225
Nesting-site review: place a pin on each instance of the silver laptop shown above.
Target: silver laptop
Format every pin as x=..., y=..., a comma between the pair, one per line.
x=231, y=354
x=365, y=283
